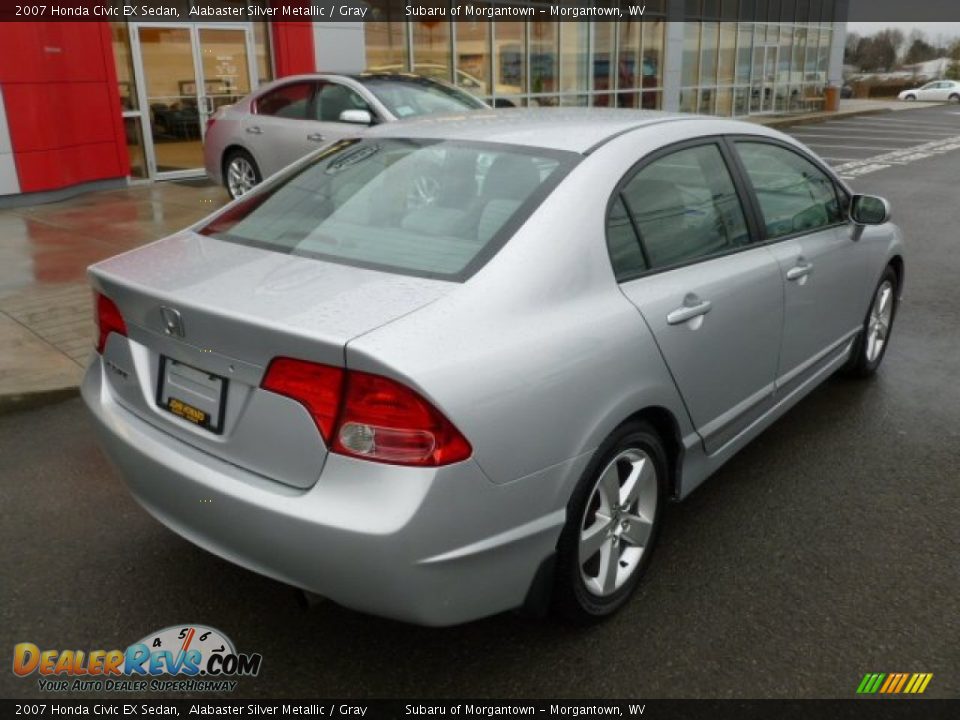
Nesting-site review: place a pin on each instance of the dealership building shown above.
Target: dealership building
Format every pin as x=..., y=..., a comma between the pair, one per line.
x=95, y=104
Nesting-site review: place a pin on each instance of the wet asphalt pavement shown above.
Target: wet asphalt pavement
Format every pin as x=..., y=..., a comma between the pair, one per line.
x=827, y=549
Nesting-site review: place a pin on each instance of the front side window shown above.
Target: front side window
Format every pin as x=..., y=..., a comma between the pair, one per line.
x=333, y=99
x=685, y=207
x=289, y=101
x=421, y=207
x=795, y=195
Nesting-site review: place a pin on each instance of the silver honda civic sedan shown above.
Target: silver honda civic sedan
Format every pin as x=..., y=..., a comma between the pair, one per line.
x=439, y=406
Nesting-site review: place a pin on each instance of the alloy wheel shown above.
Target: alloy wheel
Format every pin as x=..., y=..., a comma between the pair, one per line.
x=878, y=324
x=617, y=522
x=240, y=176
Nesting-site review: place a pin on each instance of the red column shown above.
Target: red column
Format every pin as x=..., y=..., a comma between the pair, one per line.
x=293, y=51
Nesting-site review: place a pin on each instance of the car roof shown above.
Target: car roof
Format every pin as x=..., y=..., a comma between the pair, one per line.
x=578, y=130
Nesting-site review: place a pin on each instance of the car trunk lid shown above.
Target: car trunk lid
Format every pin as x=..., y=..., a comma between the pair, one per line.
x=205, y=318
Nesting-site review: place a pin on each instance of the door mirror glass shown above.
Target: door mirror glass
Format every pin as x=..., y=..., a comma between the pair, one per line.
x=358, y=117
x=869, y=210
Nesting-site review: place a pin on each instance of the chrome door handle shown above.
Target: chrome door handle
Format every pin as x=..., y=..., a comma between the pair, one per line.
x=799, y=271
x=316, y=137
x=254, y=130
x=688, y=312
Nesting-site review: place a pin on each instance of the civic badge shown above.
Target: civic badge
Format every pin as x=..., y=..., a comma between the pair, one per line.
x=172, y=322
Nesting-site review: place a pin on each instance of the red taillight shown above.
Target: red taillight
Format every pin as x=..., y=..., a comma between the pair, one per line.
x=210, y=121
x=369, y=416
x=385, y=421
x=317, y=387
x=109, y=320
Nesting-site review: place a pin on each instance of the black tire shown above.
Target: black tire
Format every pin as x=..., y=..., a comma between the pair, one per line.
x=572, y=599
x=910, y=98
x=955, y=98
x=228, y=160
x=860, y=364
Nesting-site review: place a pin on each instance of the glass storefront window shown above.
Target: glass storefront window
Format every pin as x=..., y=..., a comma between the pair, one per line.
x=707, y=100
x=123, y=60
x=544, y=59
x=653, y=53
x=726, y=59
x=744, y=53
x=509, y=58
x=688, y=100
x=630, y=61
x=135, y=149
x=261, y=44
x=431, y=48
x=473, y=57
x=690, y=75
x=386, y=44
x=574, y=57
x=604, y=65
x=708, y=53
x=724, y=102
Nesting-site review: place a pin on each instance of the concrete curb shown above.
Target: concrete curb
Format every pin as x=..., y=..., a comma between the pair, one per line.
x=17, y=402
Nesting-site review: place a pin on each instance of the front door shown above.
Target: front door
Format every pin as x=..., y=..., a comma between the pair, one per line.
x=184, y=73
x=824, y=273
x=712, y=299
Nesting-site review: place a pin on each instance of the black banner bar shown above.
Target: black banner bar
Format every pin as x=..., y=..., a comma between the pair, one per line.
x=867, y=709
x=430, y=11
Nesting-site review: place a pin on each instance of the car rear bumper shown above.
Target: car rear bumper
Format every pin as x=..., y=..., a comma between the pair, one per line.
x=436, y=546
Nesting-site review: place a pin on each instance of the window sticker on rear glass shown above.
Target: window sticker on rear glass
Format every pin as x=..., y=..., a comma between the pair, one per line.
x=404, y=111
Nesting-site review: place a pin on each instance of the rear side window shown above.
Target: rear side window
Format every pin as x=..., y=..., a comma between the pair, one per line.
x=795, y=195
x=421, y=207
x=289, y=101
x=684, y=207
x=409, y=97
x=622, y=242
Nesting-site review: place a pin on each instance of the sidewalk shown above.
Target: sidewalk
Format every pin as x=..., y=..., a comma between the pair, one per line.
x=46, y=322
x=46, y=318
x=848, y=108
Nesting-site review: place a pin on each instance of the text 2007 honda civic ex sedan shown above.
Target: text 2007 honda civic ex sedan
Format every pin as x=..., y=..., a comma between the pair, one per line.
x=459, y=365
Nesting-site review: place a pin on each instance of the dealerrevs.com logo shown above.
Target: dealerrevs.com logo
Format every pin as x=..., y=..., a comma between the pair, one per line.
x=184, y=658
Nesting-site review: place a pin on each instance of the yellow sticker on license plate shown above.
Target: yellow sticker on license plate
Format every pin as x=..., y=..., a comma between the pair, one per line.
x=187, y=412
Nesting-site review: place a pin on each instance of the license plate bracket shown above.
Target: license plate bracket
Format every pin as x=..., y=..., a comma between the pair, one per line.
x=192, y=394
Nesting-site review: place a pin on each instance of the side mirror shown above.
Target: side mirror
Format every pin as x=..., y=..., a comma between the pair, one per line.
x=357, y=117
x=869, y=210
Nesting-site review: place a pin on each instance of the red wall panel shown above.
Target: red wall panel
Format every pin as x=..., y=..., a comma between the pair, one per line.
x=62, y=104
x=293, y=48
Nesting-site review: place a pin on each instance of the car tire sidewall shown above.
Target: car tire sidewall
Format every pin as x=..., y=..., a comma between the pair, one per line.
x=910, y=98
x=859, y=365
x=233, y=155
x=955, y=98
x=571, y=597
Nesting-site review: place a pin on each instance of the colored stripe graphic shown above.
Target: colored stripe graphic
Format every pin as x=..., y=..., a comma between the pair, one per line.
x=894, y=683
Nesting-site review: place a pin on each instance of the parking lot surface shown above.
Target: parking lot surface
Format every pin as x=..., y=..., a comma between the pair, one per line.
x=858, y=146
x=825, y=550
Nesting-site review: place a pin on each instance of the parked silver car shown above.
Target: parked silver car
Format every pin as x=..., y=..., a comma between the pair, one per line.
x=289, y=118
x=438, y=405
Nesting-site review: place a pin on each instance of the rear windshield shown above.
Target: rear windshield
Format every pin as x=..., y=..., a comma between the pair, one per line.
x=410, y=97
x=429, y=208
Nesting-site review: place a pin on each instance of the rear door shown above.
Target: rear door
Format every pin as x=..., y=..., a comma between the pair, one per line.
x=277, y=132
x=824, y=271
x=681, y=245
